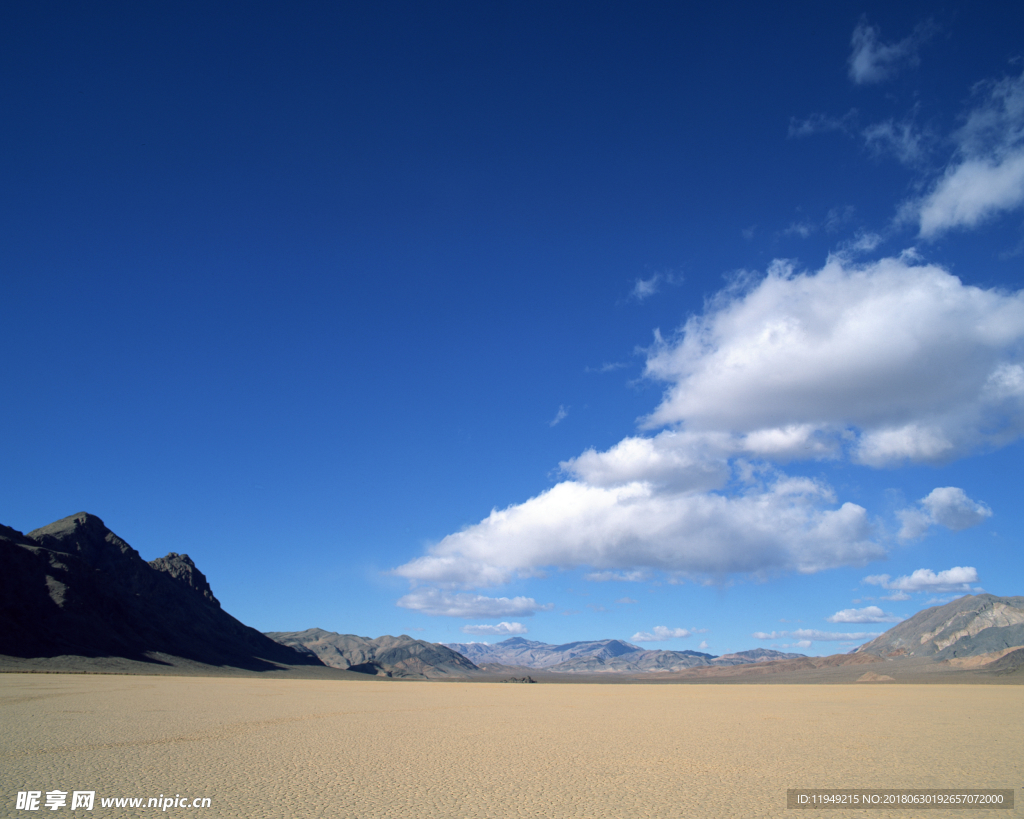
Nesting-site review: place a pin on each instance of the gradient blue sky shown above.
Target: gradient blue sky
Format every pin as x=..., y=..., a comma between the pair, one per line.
x=646, y=320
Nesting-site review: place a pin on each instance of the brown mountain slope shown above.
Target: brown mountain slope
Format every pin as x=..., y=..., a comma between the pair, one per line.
x=966, y=627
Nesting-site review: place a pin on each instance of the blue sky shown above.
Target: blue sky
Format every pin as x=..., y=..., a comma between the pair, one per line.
x=700, y=328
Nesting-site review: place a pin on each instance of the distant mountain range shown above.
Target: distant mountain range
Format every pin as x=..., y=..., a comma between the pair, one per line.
x=74, y=591
x=592, y=656
x=386, y=656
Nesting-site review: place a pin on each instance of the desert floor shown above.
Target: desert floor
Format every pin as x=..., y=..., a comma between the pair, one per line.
x=310, y=748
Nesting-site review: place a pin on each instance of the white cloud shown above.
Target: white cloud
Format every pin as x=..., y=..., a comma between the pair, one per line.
x=659, y=633
x=880, y=363
x=500, y=630
x=958, y=578
x=703, y=645
x=973, y=191
x=680, y=461
x=437, y=602
x=893, y=360
x=868, y=614
x=787, y=524
x=896, y=596
x=872, y=61
x=769, y=635
x=561, y=415
x=625, y=600
x=947, y=506
x=986, y=176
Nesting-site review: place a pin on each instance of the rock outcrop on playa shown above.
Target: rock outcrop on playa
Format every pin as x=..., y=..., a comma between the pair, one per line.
x=74, y=588
x=596, y=656
x=385, y=656
x=969, y=626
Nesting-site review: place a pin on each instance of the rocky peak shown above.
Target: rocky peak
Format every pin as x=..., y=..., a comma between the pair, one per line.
x=86, y=537
x=183, y=569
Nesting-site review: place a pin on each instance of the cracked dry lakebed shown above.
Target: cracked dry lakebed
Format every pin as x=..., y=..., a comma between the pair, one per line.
x=311, y=748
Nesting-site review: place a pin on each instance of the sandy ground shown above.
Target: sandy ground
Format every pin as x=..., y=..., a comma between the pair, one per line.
x=310, y=748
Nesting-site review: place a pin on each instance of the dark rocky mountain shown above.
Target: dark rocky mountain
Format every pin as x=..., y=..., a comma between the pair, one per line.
x=970, y=626
x=386, y=656
x=601, y=656
x=74, y=588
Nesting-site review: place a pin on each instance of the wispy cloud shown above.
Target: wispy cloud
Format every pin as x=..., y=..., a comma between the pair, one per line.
x=801, y=229
x=500, y=630
x=606, y=368
x=643, y=289
x=822, y=124
x=872, y=61
x=958, y=578
x=560, y=416
x=659, y=633
x=902, y=140
x=986, y=176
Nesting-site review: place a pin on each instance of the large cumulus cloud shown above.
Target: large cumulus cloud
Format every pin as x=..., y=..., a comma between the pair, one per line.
x=881, y=364
x=894, y=361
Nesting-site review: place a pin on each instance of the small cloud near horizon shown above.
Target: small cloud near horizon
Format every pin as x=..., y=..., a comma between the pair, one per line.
x=810, y=634
x=447, y=604
x=501, y=630
x=659, y=633
x=868, y=614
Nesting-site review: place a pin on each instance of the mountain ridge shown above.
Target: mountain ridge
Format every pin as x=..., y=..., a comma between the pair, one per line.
x=386, y=656
x=74, y=588
x=966, y=627
x=602, y=656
